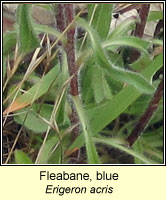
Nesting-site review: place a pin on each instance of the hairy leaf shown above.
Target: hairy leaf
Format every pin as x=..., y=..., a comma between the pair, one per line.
x=129, y=77
x=28, y=39
x=90, y=147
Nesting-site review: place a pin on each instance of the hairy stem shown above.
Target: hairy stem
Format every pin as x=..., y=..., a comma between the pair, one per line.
x=70, y=51
x=140, y=126
x=60, y=17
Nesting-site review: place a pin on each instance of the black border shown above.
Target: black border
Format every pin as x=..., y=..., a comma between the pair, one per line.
x=70, y=165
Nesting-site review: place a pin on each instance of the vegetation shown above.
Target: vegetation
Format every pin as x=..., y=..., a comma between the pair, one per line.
x=84, y=90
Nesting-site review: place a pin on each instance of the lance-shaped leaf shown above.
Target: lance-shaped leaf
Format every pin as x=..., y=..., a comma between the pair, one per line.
x=100, y=86
x=9, y=42
x=102, y=18
x=4, y=68
x=47, y=150
x=34, y=120
x=22, y=158
x=28, y=39
x=35, y=92
x=39, y=28
x=132, y=42
x=113, y=143
x=132, y=78
x=90, y=146
x=111, y=109
x=123, y=28
x=155, y=15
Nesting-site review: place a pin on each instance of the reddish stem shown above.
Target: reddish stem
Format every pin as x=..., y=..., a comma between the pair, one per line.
x=140, y=126
x=60, y=17
x=60, y=23
x=139, y=30
x=143, y=14
x=70, y=51
x=128, y=8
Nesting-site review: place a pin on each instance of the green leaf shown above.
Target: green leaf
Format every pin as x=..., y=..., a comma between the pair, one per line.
x=46, y=29
x=106, y=88
x=78, y=143
x=141, y=63
x=22, y=158
x=116, y=58
x=137, y=147
x=86, y=81
x=153, y=67
x=120, y=74
x=123, y=28
x=28, y=39
x=36, y=91
x=104, y=16
x=32, y=121
x=100, y=86
x=153, y=139
x=110, y=110
x=155, y=15
x=133, y=42
x=157, y=42
x=112, y=142
x=90, y=147
x=101, y=16
x=139, y=106
x=4, y=68
x=47, y=149
x=9, y=42
x=91, y=11
x=56, y=157
x=97, y=84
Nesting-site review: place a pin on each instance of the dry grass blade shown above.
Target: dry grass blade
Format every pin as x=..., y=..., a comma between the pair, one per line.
x=52, y=119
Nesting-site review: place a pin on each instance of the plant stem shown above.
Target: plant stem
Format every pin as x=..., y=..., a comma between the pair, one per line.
x=70, y=51
x=60, y=23
x=128, y=8
x=143, y=14
x=139, y=30
x=60, y=20
x=140, y=126
x=64, y=17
